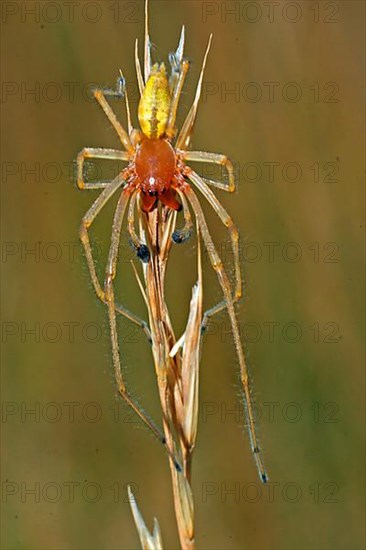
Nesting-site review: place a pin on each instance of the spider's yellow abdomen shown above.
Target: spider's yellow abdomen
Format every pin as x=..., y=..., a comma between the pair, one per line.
x=154, y=106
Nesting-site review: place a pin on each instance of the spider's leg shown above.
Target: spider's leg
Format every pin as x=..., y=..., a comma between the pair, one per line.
x=184, y=136
x=87, y=220
x=122, y=134
x=141, y=249
x=225, y=286
x=234, y=236
x=121, y=92
x=109, y=294
x=96, y=153
x=182, y=235
x=215, y=158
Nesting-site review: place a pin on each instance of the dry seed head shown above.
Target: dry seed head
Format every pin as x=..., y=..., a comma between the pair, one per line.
x=185, y=507
x=148, y=541
x=188, y=413
x=190, y=368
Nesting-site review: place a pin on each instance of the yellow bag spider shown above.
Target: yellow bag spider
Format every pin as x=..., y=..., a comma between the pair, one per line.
x=157, y=172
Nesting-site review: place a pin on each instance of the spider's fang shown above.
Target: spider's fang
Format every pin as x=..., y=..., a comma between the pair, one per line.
x=143, y=253
x=178, y=467
x=181, y=236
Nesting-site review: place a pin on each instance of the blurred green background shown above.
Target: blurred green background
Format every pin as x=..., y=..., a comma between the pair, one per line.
x=294, y=126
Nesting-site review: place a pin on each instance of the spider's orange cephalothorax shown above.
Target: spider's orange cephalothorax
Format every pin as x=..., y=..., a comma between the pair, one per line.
x=155, y=164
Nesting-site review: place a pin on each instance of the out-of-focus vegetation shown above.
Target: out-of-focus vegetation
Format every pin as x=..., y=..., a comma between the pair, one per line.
x=284, y=98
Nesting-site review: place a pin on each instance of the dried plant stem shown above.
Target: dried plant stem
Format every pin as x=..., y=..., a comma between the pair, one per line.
x=176, y=366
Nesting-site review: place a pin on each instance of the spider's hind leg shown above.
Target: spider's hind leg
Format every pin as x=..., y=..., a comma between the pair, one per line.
x=234, y=237
x=109, y=295
x=226, y=290
x=87, y=221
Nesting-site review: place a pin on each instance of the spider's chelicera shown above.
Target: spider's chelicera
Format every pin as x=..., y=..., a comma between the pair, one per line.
x=157, y=172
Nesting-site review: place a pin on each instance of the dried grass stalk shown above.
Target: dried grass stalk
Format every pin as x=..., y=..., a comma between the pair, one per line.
x=176, y=366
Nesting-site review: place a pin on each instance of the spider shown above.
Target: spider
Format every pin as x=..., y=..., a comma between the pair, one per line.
x=156, y=172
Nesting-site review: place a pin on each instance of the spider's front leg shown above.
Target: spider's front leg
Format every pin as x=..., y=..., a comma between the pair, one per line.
x=96, y=153
x=99, y=95
x=214, y=158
